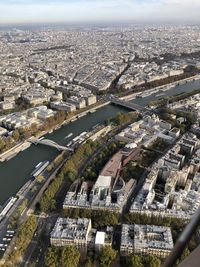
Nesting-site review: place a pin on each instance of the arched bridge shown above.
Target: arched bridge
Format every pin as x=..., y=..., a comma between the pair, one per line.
x=50, y=143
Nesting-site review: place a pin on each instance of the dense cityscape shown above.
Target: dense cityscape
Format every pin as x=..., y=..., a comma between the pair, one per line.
x=99, y=144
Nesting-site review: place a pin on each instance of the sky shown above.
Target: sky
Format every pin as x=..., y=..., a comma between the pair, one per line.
x=138, y=11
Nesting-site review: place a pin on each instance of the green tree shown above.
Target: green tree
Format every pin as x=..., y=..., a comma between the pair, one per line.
x=51, y=257
x=22, y=206
x=88, y=262
x=70, y=257
x=104, y=218
x=22, y=240
x=40, y=178
x=151, y=261
x=16, y=135
x=107, y=256
x=135, y=261
x=2, y=144
x=184, y=255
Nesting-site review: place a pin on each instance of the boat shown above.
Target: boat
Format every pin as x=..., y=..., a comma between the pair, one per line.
x=68, y=136
x=75, y=138
x=69, y=144
x=58, y=127
x=39, y=168
x=146, y=94
x=83, y=133
x=160, y=95
x=38, y=164
x=138, y=96
x=81, y=115
x=65, y=123
x=7, y=206
x=92, y=111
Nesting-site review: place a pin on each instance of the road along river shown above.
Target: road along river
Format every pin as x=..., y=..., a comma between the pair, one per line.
x=15, y=172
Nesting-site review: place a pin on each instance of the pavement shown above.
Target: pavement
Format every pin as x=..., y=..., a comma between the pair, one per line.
x=33, y=244
x=36, y=249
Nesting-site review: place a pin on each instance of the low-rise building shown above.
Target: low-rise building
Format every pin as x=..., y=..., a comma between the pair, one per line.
x=79, y=232
x=90, y=100
x=78, y=102
x=146, y=239
x=69, y=231
x=6, y=105
x=60, y=105
x=41, y=112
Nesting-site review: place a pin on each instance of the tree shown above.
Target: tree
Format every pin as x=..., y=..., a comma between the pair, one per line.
x=151, y=261
x=107, y=256
x=135, y=261
x=51, y=257
x=22, y=206
x=34, y=128
x=2, y=144
x=184, y=255
x=88, y=262
x=16, y=135
x=70, y=257
x=104, y=218
x=52, y=204
x=22, y=240
x=40, y=178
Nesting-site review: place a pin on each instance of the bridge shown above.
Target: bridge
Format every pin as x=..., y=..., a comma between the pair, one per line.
x=50, y=143
x=129, y=105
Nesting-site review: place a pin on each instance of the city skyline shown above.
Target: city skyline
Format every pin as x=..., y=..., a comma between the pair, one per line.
x=99, y=132
x=66, y=11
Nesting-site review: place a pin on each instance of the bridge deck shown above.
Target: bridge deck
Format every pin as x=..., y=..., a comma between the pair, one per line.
x=50, y=143
x=129, y=105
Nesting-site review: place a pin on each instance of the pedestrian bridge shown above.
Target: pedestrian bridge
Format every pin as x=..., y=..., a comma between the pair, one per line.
x=48, y=142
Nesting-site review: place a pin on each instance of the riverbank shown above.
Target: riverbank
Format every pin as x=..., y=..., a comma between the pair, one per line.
x=14, y=173
x=162, y=88
x=7, y=155
x=175, y=98
x=12, y=152
x=83, y=113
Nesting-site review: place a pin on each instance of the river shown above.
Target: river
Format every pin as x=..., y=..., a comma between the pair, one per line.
x=15, y=172
x=178, y=89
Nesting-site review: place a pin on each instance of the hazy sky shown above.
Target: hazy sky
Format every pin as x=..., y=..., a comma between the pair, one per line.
x=22, y=11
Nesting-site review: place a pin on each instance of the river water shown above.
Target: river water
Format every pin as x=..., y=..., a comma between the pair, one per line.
x=15, y=172
x=178, y=89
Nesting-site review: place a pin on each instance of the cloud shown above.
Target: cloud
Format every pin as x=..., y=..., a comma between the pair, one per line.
x=99, y=10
